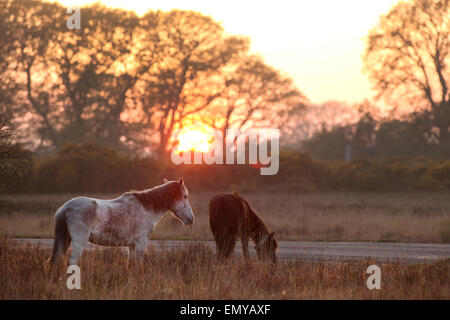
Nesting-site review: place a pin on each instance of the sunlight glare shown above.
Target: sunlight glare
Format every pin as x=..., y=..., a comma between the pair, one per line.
x=194, y=138
x=318, y=43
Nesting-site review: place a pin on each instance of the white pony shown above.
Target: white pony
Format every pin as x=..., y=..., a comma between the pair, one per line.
x=125, y=221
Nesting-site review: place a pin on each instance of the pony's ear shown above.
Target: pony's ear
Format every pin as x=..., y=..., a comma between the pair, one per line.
x=165, y=180
x=181, y=182
x=275, y=243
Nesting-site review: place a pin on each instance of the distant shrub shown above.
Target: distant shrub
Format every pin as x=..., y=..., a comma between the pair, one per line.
x=397, y=174
x=428, y=183
x=15, y=168
x=90, y=168
x=445, y=233
x=299, y=172
x=359, y=174
x=441, y=172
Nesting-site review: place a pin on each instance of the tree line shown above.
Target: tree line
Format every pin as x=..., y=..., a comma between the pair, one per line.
x=407, y=60
x=122, y=84
x=129, y=82
x=90, y=168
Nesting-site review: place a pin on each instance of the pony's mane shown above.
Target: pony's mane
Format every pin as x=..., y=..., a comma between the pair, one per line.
x=158, y=198
x=257, y=224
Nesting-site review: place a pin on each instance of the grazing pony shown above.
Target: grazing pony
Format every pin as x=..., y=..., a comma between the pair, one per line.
x=125, y=221
x=231, y=216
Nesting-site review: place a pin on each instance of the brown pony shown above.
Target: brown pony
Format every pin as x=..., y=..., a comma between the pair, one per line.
x=231, y=216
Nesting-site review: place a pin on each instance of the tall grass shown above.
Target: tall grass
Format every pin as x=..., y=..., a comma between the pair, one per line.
x=406, y=217
x=194, y=273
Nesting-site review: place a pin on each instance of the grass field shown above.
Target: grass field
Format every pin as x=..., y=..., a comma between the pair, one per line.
x=404, y=217
x=194, y=273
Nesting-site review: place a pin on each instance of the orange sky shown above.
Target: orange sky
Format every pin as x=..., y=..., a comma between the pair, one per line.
x=318, y=43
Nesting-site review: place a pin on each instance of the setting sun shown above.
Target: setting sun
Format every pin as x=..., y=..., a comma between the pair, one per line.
x=195, y=138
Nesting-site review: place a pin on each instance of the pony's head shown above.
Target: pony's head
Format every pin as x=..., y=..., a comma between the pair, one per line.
x=267, y=248
x=180, y=206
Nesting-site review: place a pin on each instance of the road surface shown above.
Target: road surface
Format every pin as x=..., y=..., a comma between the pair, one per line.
x=317, y=251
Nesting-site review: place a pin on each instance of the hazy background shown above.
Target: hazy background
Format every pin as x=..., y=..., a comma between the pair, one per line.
x=318, y=43
x=99, y=109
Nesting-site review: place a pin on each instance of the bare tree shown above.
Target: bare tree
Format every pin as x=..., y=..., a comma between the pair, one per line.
x=254, y=95
x=407, y=59
x=73, y=83
x=192, y=49
x=123, y=80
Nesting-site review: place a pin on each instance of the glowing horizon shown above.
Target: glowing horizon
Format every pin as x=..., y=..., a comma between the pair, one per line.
x=319, y=44
x=193, y=138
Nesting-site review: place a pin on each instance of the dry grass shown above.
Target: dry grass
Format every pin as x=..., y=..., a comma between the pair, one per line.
x=405, y=217
x=194, y=273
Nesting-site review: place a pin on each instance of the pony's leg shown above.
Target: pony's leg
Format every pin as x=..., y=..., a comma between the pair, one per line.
x=79, y=225
x=131, y=256
x=220, y=244
x=80, y=240
x=136, y=252
x=244, y=240
x=131, y=252
x=230, y=243
x=137, y=249
x=140, y=247
x=77, y=251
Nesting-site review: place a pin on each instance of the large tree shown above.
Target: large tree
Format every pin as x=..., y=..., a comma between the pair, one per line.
x=253, y=94
x=95, y=72
x=192, y=50
x=8, y=87
x=73, y=83
x=123, y=80
x=408, y=60
x=31, y=26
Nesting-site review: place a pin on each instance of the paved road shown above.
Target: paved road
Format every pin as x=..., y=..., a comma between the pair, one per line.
x=318, y=251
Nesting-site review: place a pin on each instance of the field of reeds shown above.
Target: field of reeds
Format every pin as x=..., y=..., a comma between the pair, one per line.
x=395, y=217
x=195, y=273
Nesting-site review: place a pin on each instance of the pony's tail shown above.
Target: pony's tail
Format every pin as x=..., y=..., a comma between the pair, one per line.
x=62, y=239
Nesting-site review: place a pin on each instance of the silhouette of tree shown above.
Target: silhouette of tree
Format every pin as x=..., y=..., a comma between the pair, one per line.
x=124, y=81
x=254, y=94
x=407, y=59
x=74, y=83
x=94, y=75
x=31, y=26
x=8, y=87
x=192, y=49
